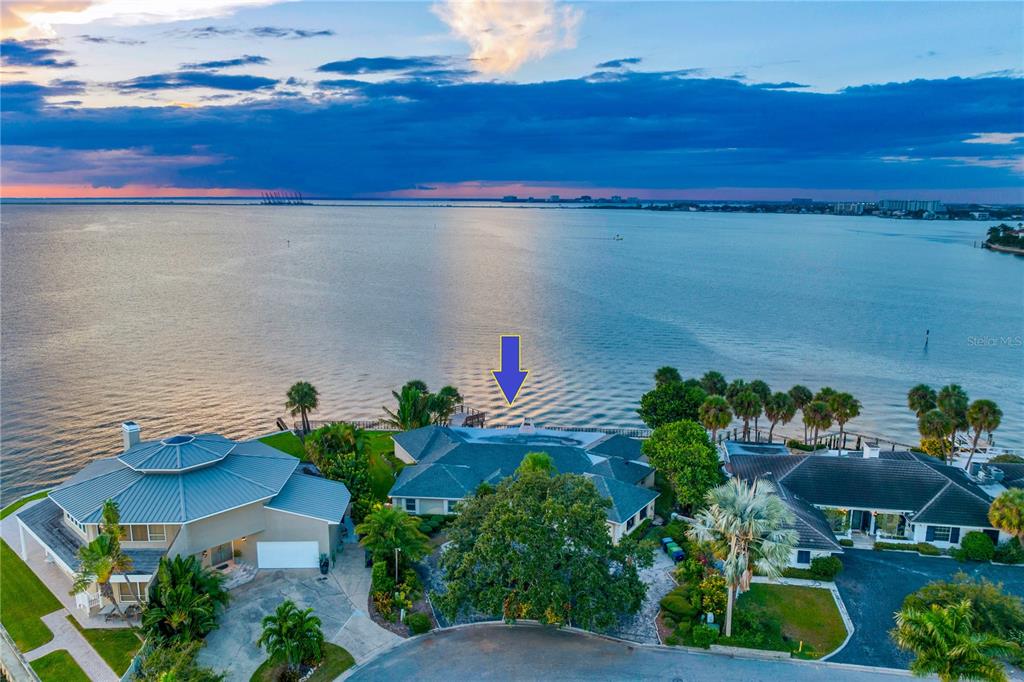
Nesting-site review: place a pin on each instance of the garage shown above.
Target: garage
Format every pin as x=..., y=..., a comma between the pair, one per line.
x=288, y=554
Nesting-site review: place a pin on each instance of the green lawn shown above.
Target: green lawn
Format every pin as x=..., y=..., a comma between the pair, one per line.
x=336, y=661
x=15, y=506
x=24, y=599
x=807, y=614
x=58, y=666
x=286, y=442
x=116, y=646
x=383, y=463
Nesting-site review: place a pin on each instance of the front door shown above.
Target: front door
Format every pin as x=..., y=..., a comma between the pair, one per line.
x=220, y=554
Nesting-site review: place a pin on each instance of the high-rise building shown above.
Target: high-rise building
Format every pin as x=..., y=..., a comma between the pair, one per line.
x=911, y=205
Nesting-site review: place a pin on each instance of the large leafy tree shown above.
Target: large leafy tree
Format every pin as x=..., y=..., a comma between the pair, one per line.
x=747, y=405
x=982, y=416
x=102, y=558
x=779, y=409
x=953, y=402
x=292, y=634
x=843, y=407
x=537, y=461
x=340, y=451
x=946, y=643
x=817, y=417
x=684, y=454
x=302, y=398
x=934, y=424
x=1007, y=513
x=713, y=383
x=715, y=414
x=667, y=375
x=538, y=548
x=183, y=600
x=995, y=611
x=387, y=529
x=921, y=399
x=801, y=395
x=747, y=523
x=671, y=402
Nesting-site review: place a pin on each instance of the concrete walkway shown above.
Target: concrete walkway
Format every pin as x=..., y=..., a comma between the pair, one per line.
x=67, y=637
x=360, y=635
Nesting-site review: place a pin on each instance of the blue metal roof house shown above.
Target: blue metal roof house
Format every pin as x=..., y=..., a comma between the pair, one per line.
x=236, y=505
x=450, y=463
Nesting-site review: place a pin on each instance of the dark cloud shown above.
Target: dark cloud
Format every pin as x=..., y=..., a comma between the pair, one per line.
x=257, y=32
x=364, y=65
x=26, y=96
x=195, y=79
x=619, y=63
x=107, y=40
x=33, y=53
x=652, y=130
x=227, y=63
x=207, y=32
x=785, y=85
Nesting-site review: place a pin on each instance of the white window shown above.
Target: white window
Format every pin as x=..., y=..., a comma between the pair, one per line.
x=449, y=506
x=942, y=533
x=135, y=533
x=157, y=533
x=74, y=522
x=130, y=592
x=410, y=504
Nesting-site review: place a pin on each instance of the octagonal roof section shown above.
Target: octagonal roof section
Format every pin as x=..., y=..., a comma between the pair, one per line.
x=177, y=453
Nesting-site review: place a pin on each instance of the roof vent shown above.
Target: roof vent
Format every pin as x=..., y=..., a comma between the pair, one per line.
x=131, y=433
x=527, y=428
x=990, y=474
x=871, y=451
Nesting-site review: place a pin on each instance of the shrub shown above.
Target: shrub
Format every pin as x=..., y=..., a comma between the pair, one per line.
x=846, y=542
x=690, y=570
x=929, y=549
x=899, y=546
x=704, y=635
x=678, y=605
x=797, y=445
x=976, y=546
x=1009, y=552
x=826, y=567
x=995, y=611
x=802, y=573
x=713, y=594
x=381, y=577
x=418, y=623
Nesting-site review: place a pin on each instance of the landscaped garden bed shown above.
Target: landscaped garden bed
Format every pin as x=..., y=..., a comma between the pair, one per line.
x=336, y=661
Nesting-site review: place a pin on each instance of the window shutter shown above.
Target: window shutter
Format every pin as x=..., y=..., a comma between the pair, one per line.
x=929, y=534
x=954, y=535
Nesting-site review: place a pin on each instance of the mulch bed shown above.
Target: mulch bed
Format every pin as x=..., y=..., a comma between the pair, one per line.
x=400, y=629
x=663, y=630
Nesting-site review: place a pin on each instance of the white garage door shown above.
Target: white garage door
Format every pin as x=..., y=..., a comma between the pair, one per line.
x=287, y=554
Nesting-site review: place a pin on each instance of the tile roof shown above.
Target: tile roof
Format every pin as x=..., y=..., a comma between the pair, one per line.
x=313, y=496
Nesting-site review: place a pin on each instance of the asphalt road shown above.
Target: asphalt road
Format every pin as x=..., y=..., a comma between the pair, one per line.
x=874, y=584
x=501, y=652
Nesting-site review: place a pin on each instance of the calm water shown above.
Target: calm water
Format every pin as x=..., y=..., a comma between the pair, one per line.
x=200, y=317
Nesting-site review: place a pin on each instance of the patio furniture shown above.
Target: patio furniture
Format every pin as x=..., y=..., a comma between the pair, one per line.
x=133, y=611
x=108, y=612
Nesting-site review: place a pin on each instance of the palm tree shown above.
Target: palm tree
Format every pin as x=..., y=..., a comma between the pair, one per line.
x=387, y=529
x=747, y=406
x=713, y=383
x=1007, y=512
x=442, y=404
x=801, y=395
x=412, y=410
x=921, y=399
x=101, y=560
x=935, y=424
x=189, y=571
x=667, y=375
x=293, y=635
x=736, y=387
x=844, y=407
x=817, y=417
x=779, y=408
x=824, y=393
x=715, y=414
x=763, y=392
x=748, y=524
x=952, y=400
x=303, y=398
x=182, y=614
x=982, y=415
x=946, y=644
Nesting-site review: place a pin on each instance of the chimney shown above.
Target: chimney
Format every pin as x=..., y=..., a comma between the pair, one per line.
x=870, y=451
x=132, y=434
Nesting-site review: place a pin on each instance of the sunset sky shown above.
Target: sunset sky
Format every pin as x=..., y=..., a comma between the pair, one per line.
x=108, y=98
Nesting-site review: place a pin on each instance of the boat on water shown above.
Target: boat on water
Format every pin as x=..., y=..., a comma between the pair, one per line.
x=617, y=237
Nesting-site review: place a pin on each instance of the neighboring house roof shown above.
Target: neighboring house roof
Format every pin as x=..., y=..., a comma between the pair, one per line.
x=177, y=453
x=249, y=472
x=626, y=499
x=1013, y=474
x=45, y=520
x=734, y=447
x=617, y=445
x=452, y=463
x=925, y=489
x=313, y=496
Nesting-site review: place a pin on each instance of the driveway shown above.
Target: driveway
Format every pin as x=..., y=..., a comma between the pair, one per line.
x=339, y=600
x=874, y=584
x=502, y=652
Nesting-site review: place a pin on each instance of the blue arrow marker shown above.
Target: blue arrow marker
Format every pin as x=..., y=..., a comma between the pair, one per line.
x=509, y=377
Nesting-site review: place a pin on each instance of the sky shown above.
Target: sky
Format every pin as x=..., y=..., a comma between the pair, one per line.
x=660, y=100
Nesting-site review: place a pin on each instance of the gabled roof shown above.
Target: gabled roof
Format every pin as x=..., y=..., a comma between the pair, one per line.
x=251, y=471
x=444, y=481
x=626, y=499
x=313, y=496
x=623, y=470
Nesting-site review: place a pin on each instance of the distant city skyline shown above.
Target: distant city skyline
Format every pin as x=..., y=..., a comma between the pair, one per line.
x=730, y=101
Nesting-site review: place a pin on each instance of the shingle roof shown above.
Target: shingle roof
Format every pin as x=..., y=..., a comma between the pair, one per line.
x=251, y=471
x=313, y=496
x=1014, y=474
x=735, y=447
x=626, y=499
x=617, y=445
x=810, y=524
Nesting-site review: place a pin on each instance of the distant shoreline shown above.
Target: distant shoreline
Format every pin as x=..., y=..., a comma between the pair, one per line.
x=1005, y=249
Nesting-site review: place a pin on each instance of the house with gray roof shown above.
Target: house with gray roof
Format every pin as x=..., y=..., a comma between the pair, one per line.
x=229, y=503
x=869, y=495
x=447, y=464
